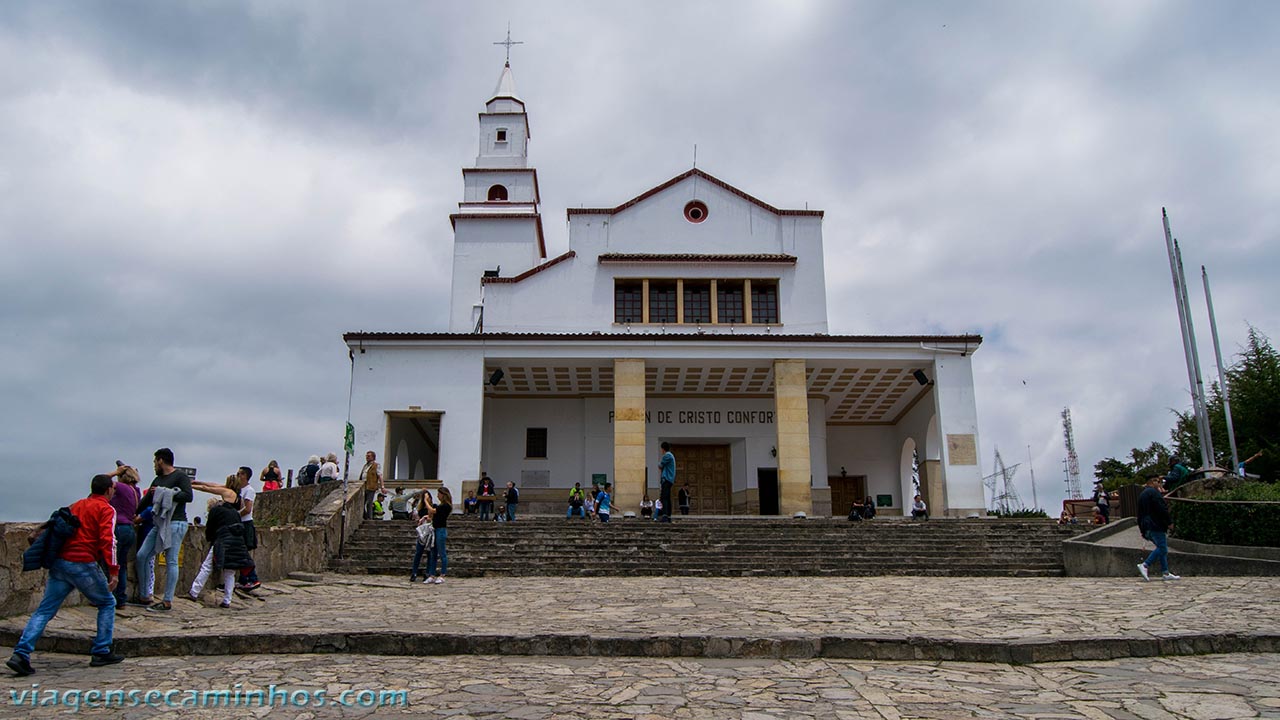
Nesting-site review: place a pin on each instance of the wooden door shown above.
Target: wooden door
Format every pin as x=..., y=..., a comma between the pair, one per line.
x=706, y=469
x=846, y=492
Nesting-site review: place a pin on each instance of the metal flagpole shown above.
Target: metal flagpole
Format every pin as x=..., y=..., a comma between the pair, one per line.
x=347, y=442
x=1206, y=436
x=1182, y=322
x=1035, y=501
x=1222, y=371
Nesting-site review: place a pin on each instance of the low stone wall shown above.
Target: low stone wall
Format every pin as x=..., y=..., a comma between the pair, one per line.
x=17, y=587
x=304, y=546
x=289, y=506
x=1090, y=555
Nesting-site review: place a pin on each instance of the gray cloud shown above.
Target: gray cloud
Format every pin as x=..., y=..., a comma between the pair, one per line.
x=200, y=198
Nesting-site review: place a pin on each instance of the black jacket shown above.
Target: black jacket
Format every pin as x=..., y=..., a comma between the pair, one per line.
x=46, y=547
x=225, y=533
x=1153, y=512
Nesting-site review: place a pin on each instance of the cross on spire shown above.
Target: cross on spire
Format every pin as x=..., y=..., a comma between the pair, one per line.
x=509, y=42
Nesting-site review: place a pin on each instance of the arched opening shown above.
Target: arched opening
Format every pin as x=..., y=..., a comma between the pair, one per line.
x=498, y=192
x=909, y=468
x=401, y=466
x=418, y=471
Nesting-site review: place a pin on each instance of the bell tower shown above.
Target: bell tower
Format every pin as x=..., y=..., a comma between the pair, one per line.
x=497, y=230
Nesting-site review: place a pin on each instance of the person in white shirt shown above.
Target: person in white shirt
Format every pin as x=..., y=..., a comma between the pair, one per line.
x=919, y=511
x=248, y=576
x=329, y=470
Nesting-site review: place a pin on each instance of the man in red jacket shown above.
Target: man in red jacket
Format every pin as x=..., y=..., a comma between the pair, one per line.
x=80, y=566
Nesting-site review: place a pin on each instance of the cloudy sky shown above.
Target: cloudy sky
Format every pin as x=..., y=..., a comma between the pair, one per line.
x=198, y=198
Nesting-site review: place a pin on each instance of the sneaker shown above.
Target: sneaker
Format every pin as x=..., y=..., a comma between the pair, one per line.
x=428, y=580
x=159, y=607
x=20, y=665
x=440, y=580
x=413, y=578
x=108, y=658
x=1142, y=570
x=224, y=605
x=1170, y=576
x=192, y=599
x=250, y=587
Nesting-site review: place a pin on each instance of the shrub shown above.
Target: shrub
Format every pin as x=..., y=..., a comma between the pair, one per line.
x=1254, y=524
x=1023, y=513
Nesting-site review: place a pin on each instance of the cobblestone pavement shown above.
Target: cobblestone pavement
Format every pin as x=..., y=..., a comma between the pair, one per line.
x=959, y=608
x=1202, y=688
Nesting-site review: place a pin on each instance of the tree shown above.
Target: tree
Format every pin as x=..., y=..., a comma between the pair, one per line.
x=1253, y=384
x=1154, y=460
x=1113, y=473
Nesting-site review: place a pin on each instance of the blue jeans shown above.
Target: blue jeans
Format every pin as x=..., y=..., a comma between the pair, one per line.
x=580, y=512
x=125, y=537
x=439, y=551
x=486, y=509
x=511, y=512
x=418, y=550
x=148, y=551
x=64, y=577
x=1161, y=552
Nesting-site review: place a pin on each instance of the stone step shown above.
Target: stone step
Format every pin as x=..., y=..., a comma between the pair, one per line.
x=720, y=547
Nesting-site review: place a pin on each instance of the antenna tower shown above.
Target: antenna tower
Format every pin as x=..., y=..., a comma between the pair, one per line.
x=1072, y=462
x=1004, y=496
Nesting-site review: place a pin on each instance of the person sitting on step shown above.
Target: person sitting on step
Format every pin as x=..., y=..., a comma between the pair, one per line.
x=919, y=511
x=576, y=502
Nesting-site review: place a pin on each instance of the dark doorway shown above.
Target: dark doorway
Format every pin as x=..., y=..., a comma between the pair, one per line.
x=706, y=470
x=846, y=491
x=767, y=482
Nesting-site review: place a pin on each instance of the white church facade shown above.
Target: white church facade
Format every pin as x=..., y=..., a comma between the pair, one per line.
x=693, y=314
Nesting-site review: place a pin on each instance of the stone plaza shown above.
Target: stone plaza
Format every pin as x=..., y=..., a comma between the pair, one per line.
x=559, y=647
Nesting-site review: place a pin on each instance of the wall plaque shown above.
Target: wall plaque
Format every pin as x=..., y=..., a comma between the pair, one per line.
x=535, y=478
x=962, y=450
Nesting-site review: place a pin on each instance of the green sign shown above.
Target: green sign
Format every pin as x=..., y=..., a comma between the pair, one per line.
x=884, y=500
x=350, y=443
x=600, y=479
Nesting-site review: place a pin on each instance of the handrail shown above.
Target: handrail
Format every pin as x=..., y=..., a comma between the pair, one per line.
x=1224, y=502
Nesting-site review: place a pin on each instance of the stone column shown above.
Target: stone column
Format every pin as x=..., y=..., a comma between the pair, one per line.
x=934, y=489
x=791, y=403
x=629, y=433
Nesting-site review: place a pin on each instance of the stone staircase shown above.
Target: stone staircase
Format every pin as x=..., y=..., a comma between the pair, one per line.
x=721, y=547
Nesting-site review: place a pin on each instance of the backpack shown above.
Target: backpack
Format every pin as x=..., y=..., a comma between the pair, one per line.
x=47, y=540
x=307, y=475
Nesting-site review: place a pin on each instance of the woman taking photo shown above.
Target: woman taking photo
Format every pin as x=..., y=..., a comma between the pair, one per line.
x=421, y=515
x=439, y=514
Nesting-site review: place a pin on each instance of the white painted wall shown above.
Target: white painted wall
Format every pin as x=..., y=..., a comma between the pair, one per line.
x=580, y=435
x=867, y=450
x=486, y=244
x=444, y=380
x=958, y=414
x=519, y=185
x=578, y=295
x=506, y=422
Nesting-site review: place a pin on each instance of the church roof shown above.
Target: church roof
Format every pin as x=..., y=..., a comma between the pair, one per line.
x=506, y=86
x=695, y=172
x=533, y=271
x=763, y=258
x=973, y=341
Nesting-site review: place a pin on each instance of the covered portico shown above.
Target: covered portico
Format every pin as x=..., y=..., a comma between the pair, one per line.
x=766, y=424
